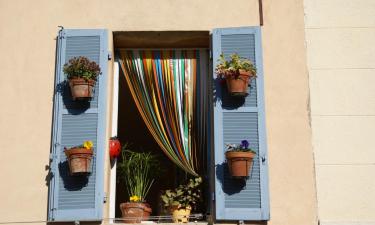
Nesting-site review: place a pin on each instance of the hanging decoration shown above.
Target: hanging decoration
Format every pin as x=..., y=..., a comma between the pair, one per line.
x=163, y=85
x=114, y=147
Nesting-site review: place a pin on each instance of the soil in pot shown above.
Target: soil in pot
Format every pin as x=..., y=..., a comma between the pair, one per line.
x=79, y=160
x=181, y=215
x=134, y=212
x=237, y=84
x=81, y=88
x=239, y=163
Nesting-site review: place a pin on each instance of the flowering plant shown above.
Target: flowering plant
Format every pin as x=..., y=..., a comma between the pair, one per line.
x=81, y=67
x=231, y=67
x=134, y=198
x=137, y=170
x=243, y=147
x=86, y=144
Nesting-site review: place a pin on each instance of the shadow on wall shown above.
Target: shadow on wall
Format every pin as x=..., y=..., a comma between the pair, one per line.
x=73, y=107
x=222, y=174
x=71, y=183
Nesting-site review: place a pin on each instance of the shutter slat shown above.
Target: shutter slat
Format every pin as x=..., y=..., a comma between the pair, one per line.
x=237, y=119
x=75, y=198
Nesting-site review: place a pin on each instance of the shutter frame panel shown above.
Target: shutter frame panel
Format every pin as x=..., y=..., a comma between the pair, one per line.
x=241, y=204
x=72, y=198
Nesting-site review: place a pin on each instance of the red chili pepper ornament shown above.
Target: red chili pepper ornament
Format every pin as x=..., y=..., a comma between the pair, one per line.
x=114, y=147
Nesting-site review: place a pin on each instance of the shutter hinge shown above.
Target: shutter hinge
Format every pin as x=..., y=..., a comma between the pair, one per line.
x=52, y=214
x=105, y=198
x=210, y=54
x=109, y=55
x=52, y=156
x=263, y=158
x=213, y=196
x=62, y=36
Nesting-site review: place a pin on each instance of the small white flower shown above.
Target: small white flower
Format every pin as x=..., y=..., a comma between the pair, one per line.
x=231, y=146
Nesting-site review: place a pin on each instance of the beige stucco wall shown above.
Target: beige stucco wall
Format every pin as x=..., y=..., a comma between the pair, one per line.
x=27, y=42
x=340, y=37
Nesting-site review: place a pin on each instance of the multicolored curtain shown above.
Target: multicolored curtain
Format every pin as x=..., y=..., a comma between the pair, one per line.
x=163, y=85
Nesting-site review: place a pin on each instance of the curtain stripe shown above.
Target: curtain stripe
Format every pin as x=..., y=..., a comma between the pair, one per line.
x=163, y=85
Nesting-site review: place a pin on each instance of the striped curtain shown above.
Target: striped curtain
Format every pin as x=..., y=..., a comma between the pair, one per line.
x=163, y=85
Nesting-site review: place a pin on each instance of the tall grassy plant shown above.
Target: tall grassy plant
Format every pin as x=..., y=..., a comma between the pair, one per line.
x=138, y=170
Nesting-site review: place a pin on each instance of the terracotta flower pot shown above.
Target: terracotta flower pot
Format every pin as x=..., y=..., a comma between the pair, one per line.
x=181, y=215
x=81, y=88
x=237, y=83
x=239, y=163
x=134, y=212
x=79, y=160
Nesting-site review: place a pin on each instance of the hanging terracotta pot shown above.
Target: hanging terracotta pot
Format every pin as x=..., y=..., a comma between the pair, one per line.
x=79, y=160
x=81, y=88
x=181, y=215
x=135, y=212
x=237, y=84
x=114, y=147
x=239, y=163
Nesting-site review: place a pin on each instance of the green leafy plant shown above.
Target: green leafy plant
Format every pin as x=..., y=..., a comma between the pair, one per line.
x=243, y=147
x=81, y=67
x=138, y=170
x=184, y=196
x=231, y=67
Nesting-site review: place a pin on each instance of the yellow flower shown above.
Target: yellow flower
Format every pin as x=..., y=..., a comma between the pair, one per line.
x=88, y=144
x=134, y=198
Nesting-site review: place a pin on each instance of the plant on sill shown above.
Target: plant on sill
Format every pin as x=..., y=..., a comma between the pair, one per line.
x=240, y=159
x=79, y=158
x=138, y=170
x=181, y=200
x=237, y=71
x=82, y=75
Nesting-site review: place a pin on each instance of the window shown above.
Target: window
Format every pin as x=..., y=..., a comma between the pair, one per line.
x=72, y=198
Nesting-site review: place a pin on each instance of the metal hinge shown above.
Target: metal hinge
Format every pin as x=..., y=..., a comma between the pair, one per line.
x=109, y=55
x=52, y=156
x=263, y=158
x=52, y=214
x=213, y=196
x=210, y=54
x=105, y=198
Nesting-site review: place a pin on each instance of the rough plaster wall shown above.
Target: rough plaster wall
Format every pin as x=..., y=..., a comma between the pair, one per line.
x=27, y=42
x=340, y=38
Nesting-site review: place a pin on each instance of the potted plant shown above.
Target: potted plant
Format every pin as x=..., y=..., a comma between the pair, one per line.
x=181, y=200
x=79, y=158
x=138, y=170
x=237, y=72
x=240, y=159
x=82, y=75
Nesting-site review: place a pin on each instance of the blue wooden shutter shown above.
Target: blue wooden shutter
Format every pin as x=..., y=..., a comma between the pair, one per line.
x=235, y=120
x=78, y=198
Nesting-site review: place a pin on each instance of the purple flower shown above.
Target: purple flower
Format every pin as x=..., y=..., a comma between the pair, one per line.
x=244, y=144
